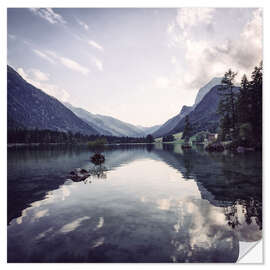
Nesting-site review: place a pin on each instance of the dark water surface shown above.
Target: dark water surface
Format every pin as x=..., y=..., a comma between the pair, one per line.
x=150, y=204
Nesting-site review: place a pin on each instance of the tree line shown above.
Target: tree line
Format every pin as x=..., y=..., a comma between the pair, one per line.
x=241, y=109
x=22, y=135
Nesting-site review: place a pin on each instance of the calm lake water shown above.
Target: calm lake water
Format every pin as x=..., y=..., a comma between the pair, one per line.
x=149, y=204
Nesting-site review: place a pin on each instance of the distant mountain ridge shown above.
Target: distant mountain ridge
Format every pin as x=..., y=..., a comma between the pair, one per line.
x=205, y=89
x=108, y=125
x=205, y=115
x=172, y=122
x=170, y=125
x=149, y=130
x=31, y=108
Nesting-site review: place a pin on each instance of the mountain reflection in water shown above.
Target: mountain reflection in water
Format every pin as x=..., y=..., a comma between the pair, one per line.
x=153, y=204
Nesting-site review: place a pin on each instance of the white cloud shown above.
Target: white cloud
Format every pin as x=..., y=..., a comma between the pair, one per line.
x=95, y=45
x=39, y=75
x=49, y=15
x=52, y=57
x=37, y=78
x=98, y=63
x=44, y=56
x=208, y=58
x=248, y=49
x=22, y=73
x=83, y=24
x=52, y=54
x=71, y=64
x=188, y=17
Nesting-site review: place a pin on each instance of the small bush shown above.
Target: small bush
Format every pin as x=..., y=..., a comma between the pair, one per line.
x=100, y=142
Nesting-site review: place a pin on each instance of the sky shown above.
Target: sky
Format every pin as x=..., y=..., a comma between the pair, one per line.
x=140, y=65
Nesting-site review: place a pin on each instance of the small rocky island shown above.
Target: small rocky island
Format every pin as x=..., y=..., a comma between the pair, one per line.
x=79, y=174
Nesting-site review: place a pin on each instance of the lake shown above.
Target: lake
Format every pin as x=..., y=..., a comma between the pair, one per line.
x=148, y=203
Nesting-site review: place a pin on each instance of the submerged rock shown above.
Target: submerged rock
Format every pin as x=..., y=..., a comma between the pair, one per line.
x=78, y=178
x=79, y=175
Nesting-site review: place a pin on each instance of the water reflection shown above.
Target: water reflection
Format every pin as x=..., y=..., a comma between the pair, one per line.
x=158, y=204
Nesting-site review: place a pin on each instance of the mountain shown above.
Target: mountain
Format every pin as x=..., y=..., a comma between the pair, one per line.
x=149, y=130
x=29, y=107
x=89, y=118
x=108, y=125
x=205, y=89
x=204, y=116
x=168, y=126
x=172, y=122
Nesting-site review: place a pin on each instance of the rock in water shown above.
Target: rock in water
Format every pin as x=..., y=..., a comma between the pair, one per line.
x=83, y=171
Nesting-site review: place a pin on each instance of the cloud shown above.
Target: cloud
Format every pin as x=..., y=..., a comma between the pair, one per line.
x=207, y=58
x=40, y=76
x=248, y=50
x=49, y=15
x=44, y=56
x=73, y=65
x=95, y=45
x=52, y=57
x=83, y=24
x=22, y=73
x=39, y=79
x=52, y=54
x=98, y=63
x=188, y=17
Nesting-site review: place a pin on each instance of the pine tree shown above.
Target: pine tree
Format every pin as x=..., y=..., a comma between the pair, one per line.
x=187, y=130
x=149, y=139
x=256, y=102
x=227, y=105
x=225, y=125
x=243, y=105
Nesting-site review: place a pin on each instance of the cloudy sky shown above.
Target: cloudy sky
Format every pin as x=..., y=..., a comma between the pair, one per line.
x=138, y=65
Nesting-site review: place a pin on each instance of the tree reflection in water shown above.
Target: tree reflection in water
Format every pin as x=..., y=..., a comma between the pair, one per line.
x=200, y=220
x=188, y=164
x=233, y=182
x=251, y=210
x=149, y=147
x=97, y=172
